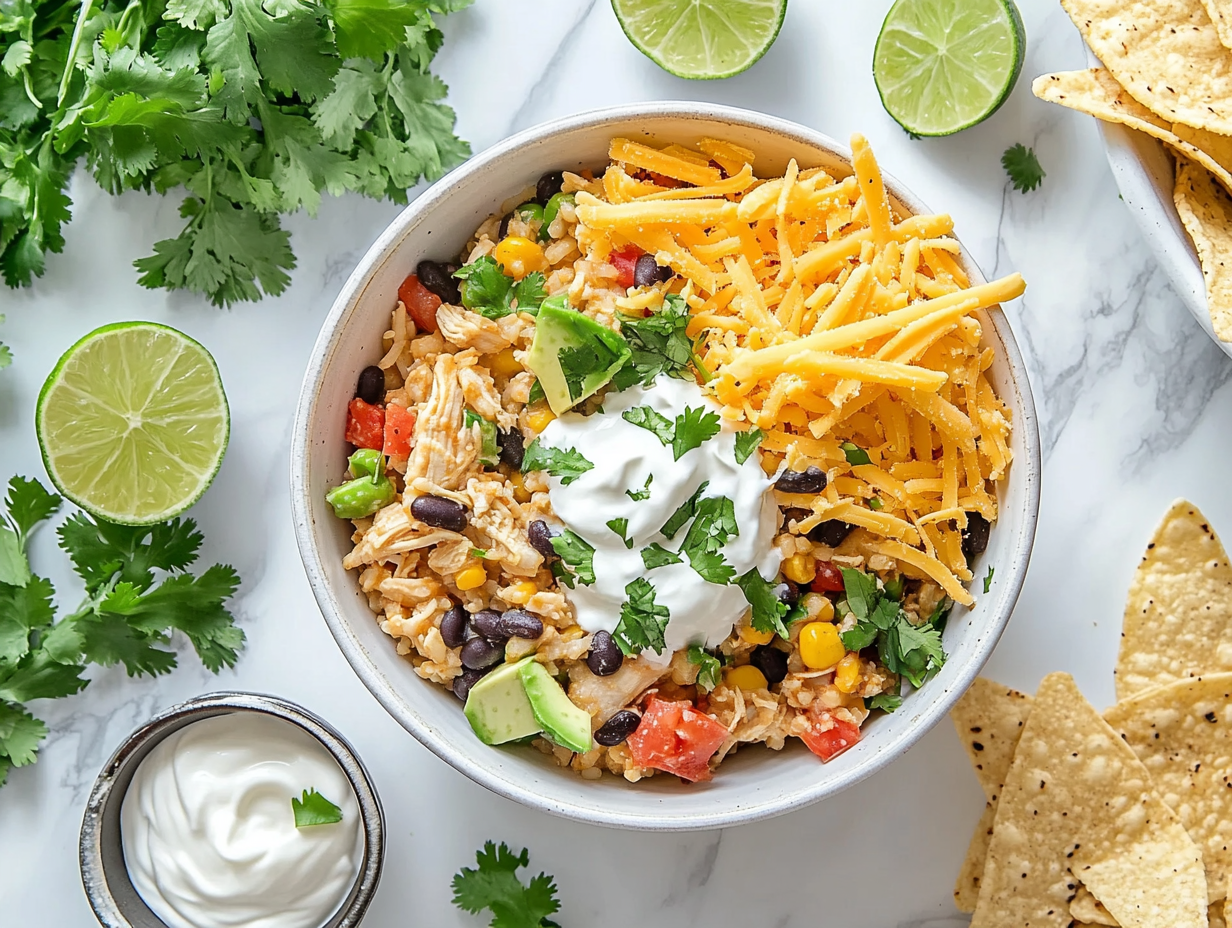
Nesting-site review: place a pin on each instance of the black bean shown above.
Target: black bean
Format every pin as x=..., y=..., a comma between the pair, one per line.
x=794, y=513
x=787, y=593
x=371, y=386
x=831, y=532
x=618, y=728
x=487, y=624
x=439, y=512
x=438, y=277
x=549, y=185
x=517, y=623
x=453, y=627
x=647, y=271
x=605, y=656
x=512, y=449
x=541, y=538
x=771, y=662
x=463, y=682
x=812, y=480
x=975, y=535
x=480, y=654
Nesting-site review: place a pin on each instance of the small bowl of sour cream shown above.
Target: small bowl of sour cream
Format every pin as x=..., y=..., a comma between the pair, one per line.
x=232, y=809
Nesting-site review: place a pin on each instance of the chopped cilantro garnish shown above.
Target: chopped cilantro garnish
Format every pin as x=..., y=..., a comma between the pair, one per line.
x=314, y=809
x=684, y=512
x=642, y=620
x=536, y=393
x=479, y=553
x=643, y=494
x=655, y=555
x=709, y=669
x=747, y=443
x=988, y=579
x=621, y=528
x=592, y=356
x=652, y=421
x=495, y=886
x=694, y=426
x=1022, y=167
x=894, y=587
x=768, y=611
x=855, y=454
x=660, y=345
x=489, y=451
x=713, y=526
x=487, y=291
x=887, y=702
x=565, y=463
x=912, y=651
x=577, y=554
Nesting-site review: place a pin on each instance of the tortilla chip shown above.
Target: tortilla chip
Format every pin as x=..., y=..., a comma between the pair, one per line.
x=967, y=886
x=1206, y=211
x=1096, y=93
x=1183, y=734
x=1178, y=617
x=1077, y=798
x=1166, y=53
x=1220, y=12
x=1086, y=909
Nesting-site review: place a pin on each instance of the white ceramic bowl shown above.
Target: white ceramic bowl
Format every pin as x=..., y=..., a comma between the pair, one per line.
x=756, y=783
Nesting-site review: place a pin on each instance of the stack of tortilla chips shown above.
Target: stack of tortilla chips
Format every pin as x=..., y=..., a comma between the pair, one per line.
x=1124, y=819
x=1169, y=74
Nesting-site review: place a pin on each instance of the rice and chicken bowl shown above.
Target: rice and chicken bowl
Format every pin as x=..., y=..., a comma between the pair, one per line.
x=675, y=459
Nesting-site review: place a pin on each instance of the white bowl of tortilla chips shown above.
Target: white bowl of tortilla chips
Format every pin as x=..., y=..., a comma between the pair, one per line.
x=1124, y=819
x=1161, y=86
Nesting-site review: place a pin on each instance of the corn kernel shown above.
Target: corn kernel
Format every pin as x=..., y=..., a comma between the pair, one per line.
x=746, y=678
x=518, y=482
x=538, y=420
x=820, y=645
x=519, y=256
x=520, y=593
x=825, y=608
x=505, y=364
x=799, y=568
x=470, y=578
x=847, y=673
x=750, y=635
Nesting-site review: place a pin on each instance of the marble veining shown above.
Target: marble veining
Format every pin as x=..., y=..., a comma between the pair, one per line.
x=1134, y=411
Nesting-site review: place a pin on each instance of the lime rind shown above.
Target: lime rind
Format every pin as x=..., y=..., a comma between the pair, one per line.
x=701, y=39
x=126, y=475
x=932, y=94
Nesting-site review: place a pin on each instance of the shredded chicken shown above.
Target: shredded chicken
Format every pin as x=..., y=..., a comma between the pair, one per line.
x=394, y=532
x=468, y=329
x=498, y=517
x=603, y=697
x=481, y=395
x=442, y=451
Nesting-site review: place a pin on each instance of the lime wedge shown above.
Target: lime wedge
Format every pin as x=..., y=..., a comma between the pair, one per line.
x=701, y=39
x=133, y=423
x=944, y=65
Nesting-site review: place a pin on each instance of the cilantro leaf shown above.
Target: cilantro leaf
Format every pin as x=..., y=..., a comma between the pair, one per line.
x=709, y=671
x=100, y=550
x=912, y=651
x=314, y=809
x=577, y=554
x=530, y=291
x=594, y=355
x=655, y=555
x=495, y=886
x=747, y=442
x=566, y=463
x=652, y=421
x=768, y=611
x=621, y=528
x=683, y=513
x=28, y=504
x=109, y=639
x=660, y=344
x=20, y=734
x=642, y=621
x=861, y=590
x=6, y=356
x=713, y=526
x=639, y=496
x=694, y=426
x=23, y=610
x=38, y=676
x=485, y=288
x=536, y=393
x=887, y=702
x=855, y=454
x=1022, y=167
x=988, y=579
x=370, y=28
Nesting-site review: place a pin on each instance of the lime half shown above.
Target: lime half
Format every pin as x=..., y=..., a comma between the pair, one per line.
x=944, y=65
x=133, y=423
x=701, y=39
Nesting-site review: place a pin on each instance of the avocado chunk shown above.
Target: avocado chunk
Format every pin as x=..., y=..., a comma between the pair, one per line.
x=497, y=707
x=573, y=356
x=562, y=721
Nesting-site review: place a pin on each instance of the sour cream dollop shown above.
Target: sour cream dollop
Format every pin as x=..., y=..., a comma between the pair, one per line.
x=624, y=456
x=209, y=834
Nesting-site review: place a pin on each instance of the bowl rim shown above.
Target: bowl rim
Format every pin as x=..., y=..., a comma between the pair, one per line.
x=96, y=876
x=654, y=819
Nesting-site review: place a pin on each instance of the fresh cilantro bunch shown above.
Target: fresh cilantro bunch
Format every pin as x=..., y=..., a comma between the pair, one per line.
x=659, y=344
x=494, y=885
x=138, y=591
x=254, y=107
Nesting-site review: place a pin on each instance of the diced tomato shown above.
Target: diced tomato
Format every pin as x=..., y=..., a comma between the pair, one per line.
x=828, y=737
x=828, y=579
x=420, y=302
x=675, y=737
x=399, y=422
x=365, y=425
x=625, y=261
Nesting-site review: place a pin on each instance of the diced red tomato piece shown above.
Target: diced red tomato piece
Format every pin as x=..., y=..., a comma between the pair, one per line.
x=625, y=261
x=365, y=425
x=420, y=302
x=675, y=737
x=828, y=579
x=828, y=737
x=399, y=423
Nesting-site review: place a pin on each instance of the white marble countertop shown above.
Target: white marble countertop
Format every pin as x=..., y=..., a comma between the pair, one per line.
x=1131, y=396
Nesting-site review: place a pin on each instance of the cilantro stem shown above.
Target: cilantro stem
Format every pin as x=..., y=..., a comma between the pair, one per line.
x=71, y=60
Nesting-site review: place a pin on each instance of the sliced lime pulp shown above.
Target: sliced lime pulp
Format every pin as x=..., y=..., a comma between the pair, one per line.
x=133, y=423
x=945, y=65
x=701, y=39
